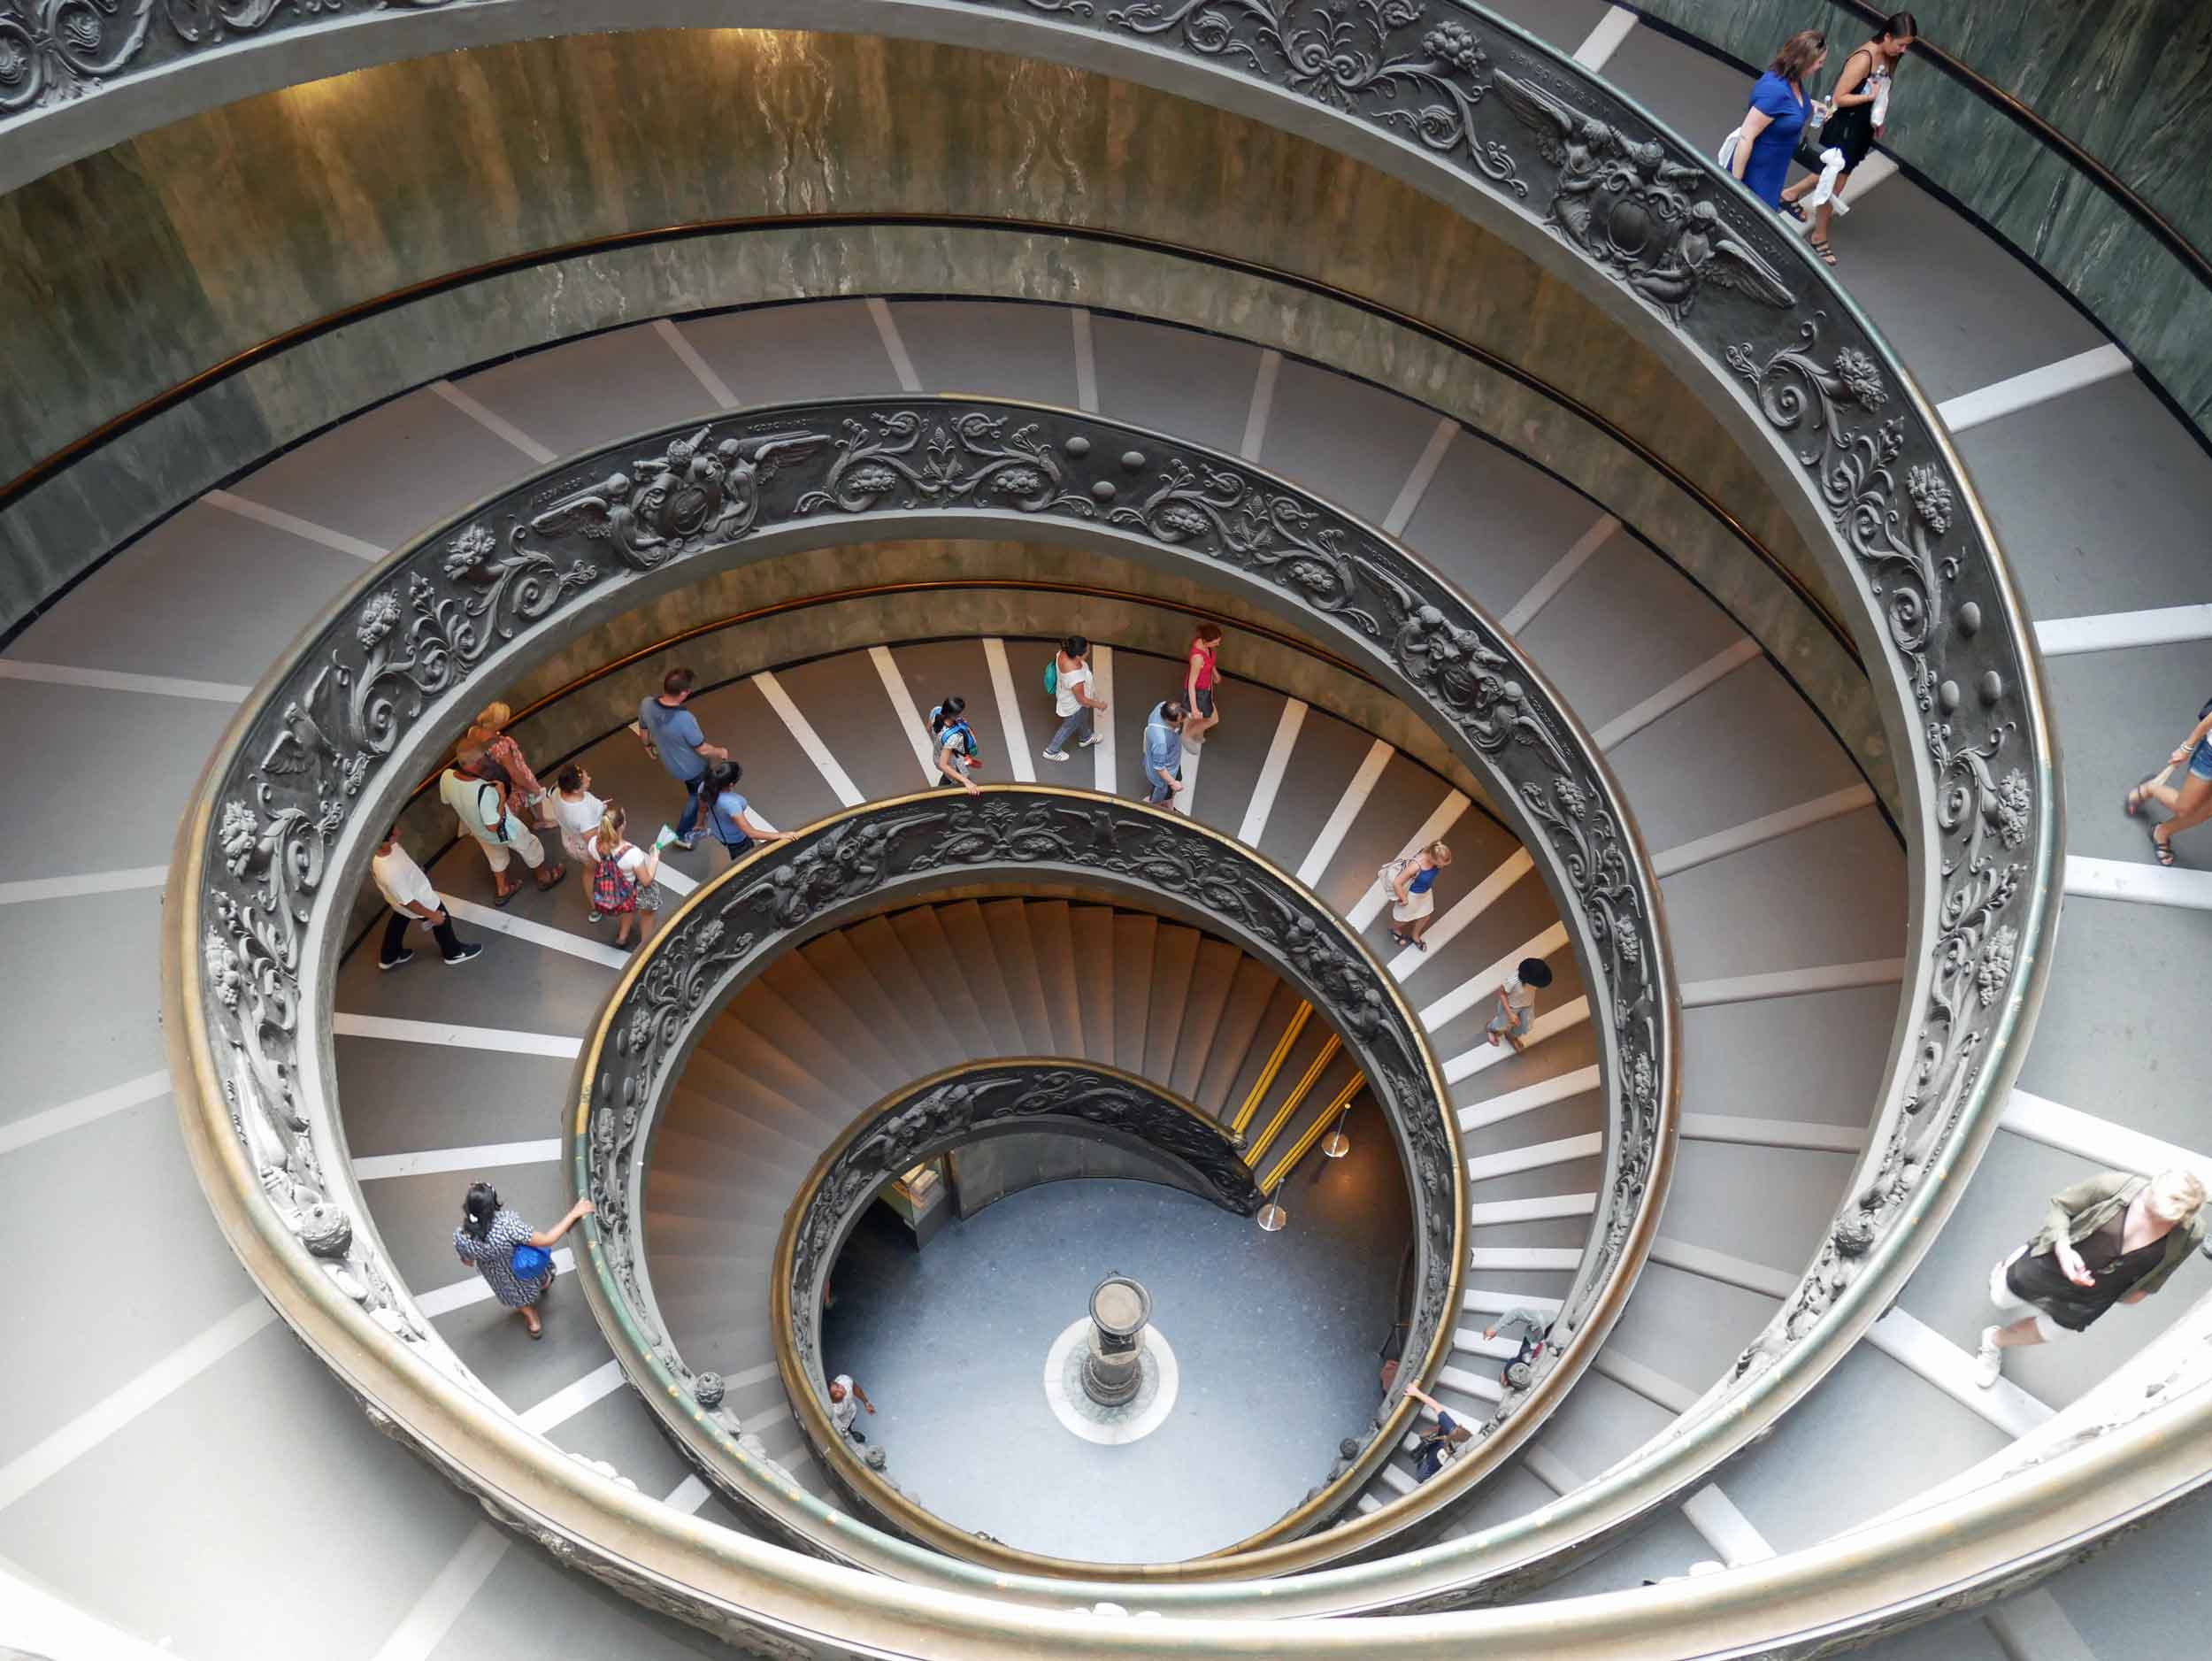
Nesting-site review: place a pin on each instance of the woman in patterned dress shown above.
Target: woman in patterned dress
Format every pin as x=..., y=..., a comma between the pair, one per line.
x=486, y=1239
x=489, y=733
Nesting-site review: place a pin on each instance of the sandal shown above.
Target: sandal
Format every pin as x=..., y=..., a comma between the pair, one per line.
x=1403, y=940
x=1795, y=212
x=1819, y=245
x=2131, y=804
x=2160, y=846
x=500, y=896
x=550, y=878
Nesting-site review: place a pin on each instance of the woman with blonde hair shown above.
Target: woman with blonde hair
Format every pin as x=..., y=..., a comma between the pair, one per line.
x=622, y=876
x=1409, y=882
x=2115, y=1238
x=489, y=733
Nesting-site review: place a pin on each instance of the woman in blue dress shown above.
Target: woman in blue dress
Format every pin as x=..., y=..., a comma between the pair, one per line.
x=1407, y=882
x=1779, y=109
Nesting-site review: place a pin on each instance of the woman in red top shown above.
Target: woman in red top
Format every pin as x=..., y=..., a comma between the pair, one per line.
x=1198, y=685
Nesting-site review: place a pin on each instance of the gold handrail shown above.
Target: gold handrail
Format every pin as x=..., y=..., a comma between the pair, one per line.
x=1311, y=1076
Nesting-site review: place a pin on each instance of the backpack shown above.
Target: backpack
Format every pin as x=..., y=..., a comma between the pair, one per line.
x=612, y=888
x=1052, y=677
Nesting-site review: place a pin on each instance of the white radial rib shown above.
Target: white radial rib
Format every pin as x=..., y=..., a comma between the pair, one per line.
x=1718, y=1265
x=1735, y=840
x=1104, y=775
x=1649, y=1382
x=902, y=706
x=119, y=680
x=1482, y=1300
x=1773, y=1133
x=570, y=1400
x=1951, y=1370
x=1534, y=1156
x=35, y=889
x=1010, y=712
x=1495, y=1213
x=84, y=1110
x=1565, y=1258
x=702, y=371
x=476, y=1290
x=1262, y=803
x=1603, y=40
x=292, y=525
x=498, y=425
x=1417, y=481
x=537, y=933
x=2118, y=631
x=1262, y=404
x=803, y=733
x=1340, y=821
x=1724, y=1528
x=424, y=1626
x=1529, y=1097
x=2037, y=386
x=555, y=1044
x=1746, y=988
x=893, y=345
x=2139, y=883
x=1547, y=586
x=437, y=1161
x=2056, y=1126
x=1673, y=695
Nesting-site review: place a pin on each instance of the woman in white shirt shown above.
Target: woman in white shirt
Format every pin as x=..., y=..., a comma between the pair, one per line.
x=576, y=812
x=622, y=878
x=1071, y=699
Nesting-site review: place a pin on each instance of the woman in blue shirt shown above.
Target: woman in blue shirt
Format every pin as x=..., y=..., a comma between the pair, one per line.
x=728, y=815
x=1412, y=905
x=1779, y=109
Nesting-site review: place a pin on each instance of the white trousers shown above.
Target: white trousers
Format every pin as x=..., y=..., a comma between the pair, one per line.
x=520, y=840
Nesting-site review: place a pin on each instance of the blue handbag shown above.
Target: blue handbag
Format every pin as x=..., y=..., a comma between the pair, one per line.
x=530, y=1263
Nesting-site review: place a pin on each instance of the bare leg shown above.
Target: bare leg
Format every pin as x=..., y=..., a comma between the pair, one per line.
x=2019, y=1334
x=530, y=1319
x=2191, y=805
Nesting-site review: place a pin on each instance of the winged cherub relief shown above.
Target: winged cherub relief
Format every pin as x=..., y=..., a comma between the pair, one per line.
x=694, y=494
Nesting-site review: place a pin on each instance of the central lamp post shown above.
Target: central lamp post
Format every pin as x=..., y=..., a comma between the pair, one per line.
x=1113, y=1368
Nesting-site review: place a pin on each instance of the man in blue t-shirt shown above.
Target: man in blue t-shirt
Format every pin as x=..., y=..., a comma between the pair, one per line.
x=1163, y=750
x=671, y=731
x=1441, y=1445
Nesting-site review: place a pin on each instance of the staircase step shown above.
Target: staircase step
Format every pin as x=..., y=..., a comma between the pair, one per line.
x=711, y=1079
x=1091, y=932
x=1174, y=960
x=1285, y=1044
x=815, y=1037
x=1016, y=951
x=1135, y=938
x=938, y=1043
x=849, y=959
x=754, y=1054
x=970, y=937
x=923, y=937
x=1254, y=993
x=1213, y=968
x=833, y=1018
x=1058, y=982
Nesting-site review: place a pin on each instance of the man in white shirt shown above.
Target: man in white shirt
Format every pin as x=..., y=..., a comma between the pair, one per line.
x=1517, y=1004
x=846, y=1401
x=408, y=892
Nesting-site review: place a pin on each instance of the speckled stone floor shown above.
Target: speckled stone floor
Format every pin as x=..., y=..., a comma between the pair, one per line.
x=1278, y=1338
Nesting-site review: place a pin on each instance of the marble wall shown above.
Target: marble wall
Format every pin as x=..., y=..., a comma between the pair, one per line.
x=2123, y=79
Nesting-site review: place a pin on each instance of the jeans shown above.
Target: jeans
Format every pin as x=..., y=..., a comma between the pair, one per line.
x=689, y=823
x=1078, y=722
x=1160, y=792
x=449, y=944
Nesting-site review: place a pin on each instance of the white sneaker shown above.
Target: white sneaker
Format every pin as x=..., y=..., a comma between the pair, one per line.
x=1095, y=738
x=1055, y=755
x=1989, y=1361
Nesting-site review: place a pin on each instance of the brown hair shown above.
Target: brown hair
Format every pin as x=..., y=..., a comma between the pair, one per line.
x=1798, y=54
x=608, y=838
x=1210, y=631
x=678, y=680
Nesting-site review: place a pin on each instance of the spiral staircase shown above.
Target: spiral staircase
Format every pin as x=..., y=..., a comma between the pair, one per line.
x=262, y=1507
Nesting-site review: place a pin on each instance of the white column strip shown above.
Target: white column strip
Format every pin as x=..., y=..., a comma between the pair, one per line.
x=2114, y=1146
x=291, y=524
x=1549, y=1469
x=675, y=881
x=1647, y=1382
x=803, y=734
x=702, y=371
x=1529, y=1097
x=117, y=680
x=1724, y=1528
x=768, y=1418
x=893, y=346
x=1288, y=727
x=1102, y=774
x=1468, y=907
x=903, y=705
x=1495, y=1213
x=438, y=1161
x=1484, y=1057
x=1347, y=809
x=1603, y=41
x=1552, y=581
x=444, y=1300
x=424, y=1626
x=1751, y=834
x=1469, y=1341
x=1185, y=799
x=54, y=1453
x=2117, y=631
x=1010, y=712
x=1417, y=481
x=570, y=1400
x=1534, y=1156
x=1673, y=696
x=1440, y=819
x=1878, y=168
x=91, y=882
x=1262, y=404
x=1951, y=1370
x=1086, y=362
x=2032, y=1626
x=1397, y=1478
x=688, y=1496
x=1475, y=1384
x=1748, y=989
x=2037, y=386
x=2138, y=881
x=1480, y=1300
x=84, y=1110
x=1718, y=1265
x=537, y=933
x=1476, y=987
x=1773, y=1133
x=1522, y=1257
x=514, y=1043
x=498, y=425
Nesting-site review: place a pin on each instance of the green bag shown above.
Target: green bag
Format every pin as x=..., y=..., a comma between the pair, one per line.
x=1052, y=677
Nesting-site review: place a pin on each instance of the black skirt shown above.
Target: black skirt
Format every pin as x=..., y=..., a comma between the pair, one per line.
x=1851, y=130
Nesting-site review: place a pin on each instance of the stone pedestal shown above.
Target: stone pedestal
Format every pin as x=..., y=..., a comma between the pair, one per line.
x=1113, y=1361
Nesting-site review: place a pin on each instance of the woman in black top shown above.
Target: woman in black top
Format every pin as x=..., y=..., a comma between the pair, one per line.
x=1861, y=104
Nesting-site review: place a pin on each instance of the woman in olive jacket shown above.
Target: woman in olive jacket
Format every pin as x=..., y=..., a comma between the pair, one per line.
x=2111, y=1239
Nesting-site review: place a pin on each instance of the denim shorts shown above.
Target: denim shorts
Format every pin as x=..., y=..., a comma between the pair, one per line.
x=1204, y=697
x=2201, y=759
